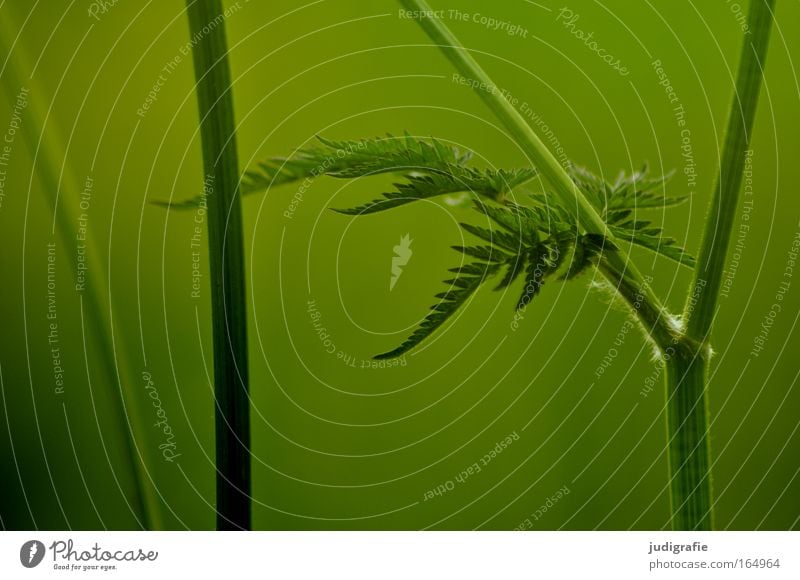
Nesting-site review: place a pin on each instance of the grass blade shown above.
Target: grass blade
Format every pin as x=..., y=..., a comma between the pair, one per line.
x=116, y=369
x=226, y=258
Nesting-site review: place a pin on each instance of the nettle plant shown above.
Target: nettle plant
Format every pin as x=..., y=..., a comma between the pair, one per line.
x=581, y=222
x=530, y=236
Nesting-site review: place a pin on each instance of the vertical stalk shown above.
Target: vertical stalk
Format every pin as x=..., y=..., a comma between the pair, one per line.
x=686, y=372
x=687, y=433
x=687, y=436
x=685, y=353
x=719, y=223
x=226, y=259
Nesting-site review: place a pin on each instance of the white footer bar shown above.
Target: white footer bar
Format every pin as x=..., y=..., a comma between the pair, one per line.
x=400, y=555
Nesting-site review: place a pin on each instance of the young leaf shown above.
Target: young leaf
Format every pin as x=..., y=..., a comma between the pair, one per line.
x=514, y=267
x=624, y=198
x=654, y=241
x=493, y=184
x=468, y=280
x=495, y=237
x=430, y=168
x=628, y=192
x=484, y=253
x=347, y=159
x=516, y=246
x=535, y=272
x=637, y=191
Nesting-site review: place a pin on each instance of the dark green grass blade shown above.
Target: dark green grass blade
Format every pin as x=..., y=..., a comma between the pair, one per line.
x=226, y=252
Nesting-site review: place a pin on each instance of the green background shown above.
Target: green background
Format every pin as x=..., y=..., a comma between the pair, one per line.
x=342, y=447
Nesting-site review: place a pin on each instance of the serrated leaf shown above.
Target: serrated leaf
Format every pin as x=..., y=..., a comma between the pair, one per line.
x=627, y=193
x=620, y=202
x=485, y=253
x=451, y=301
x=536, y=270
x=514, y=267
x=496, y=237
x=664, y=246
x=523, y=226
x=345, y=159
x=493, y=184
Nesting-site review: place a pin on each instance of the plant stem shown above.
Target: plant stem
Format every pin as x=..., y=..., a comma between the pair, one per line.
x=687, y=371
x=719, y=223
x=538, y=153
x=687, y=437
x=226, y=259
x=657, y=326
x=685, y=355
x=540, y=156
x=116, y=370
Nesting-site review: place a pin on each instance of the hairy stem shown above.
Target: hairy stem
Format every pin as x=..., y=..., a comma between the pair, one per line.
x=687, y=438
x=226, y=253
x=540, y=156
x=685, y=359
x=687, y=371
x=687, y=416
x=538, y=153
x=719, y=223
x=116, y=370
x=655, y=322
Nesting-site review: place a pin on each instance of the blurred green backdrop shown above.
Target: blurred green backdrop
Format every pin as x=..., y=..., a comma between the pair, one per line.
x=338, y=445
